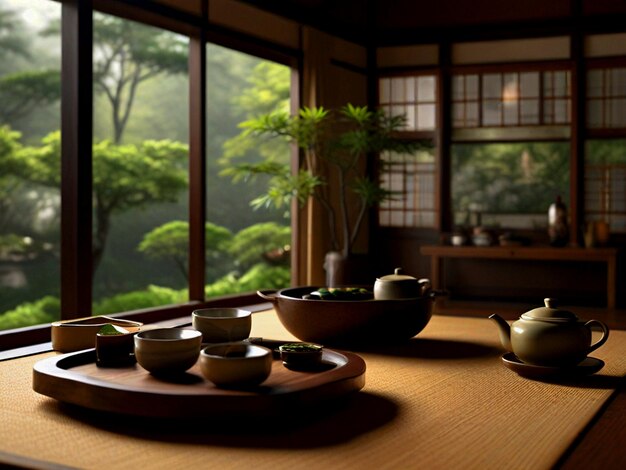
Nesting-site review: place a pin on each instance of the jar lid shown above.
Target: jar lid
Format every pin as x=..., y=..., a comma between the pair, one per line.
x=550, y=313
x=397, y=276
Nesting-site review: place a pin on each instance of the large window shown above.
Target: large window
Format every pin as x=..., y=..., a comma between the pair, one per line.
x=30, y=89
x=510, y=184
x=509, y=158
x=140, y=161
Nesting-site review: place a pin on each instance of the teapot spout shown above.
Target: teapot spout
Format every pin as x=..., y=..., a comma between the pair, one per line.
x=505, y=331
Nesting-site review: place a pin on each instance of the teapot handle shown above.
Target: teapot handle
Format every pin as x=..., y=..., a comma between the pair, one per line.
x=602, y=340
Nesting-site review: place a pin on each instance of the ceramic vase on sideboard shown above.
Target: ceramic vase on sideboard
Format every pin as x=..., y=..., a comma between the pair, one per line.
x=351, y=270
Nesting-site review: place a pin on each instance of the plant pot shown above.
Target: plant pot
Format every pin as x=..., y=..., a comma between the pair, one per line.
x=346, y=271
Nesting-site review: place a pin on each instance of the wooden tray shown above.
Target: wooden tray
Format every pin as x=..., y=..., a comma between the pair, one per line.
x=75, y=378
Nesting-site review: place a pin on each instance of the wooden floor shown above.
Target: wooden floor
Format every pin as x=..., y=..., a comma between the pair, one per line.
x=614, y=318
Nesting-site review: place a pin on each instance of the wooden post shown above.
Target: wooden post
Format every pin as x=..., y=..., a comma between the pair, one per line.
x=76, y=159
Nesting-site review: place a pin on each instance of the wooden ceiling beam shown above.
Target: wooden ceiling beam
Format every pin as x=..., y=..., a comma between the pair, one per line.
x=359, y=27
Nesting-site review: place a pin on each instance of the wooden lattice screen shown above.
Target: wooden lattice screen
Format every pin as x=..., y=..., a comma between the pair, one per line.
x=605, y=194
x=413, y=185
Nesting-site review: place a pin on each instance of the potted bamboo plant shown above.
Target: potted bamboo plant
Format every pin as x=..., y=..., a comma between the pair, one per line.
x=331, y=141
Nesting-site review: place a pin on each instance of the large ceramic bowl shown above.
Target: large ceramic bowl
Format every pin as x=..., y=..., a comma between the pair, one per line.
x=349, y=321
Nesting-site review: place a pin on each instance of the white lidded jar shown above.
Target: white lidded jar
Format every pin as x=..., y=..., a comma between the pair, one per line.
x=557, y=223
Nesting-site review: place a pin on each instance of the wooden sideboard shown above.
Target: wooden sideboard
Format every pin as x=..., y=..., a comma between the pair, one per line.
x=608, y=256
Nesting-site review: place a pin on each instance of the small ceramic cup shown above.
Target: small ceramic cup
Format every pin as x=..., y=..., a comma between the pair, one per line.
x=221, y=325
x=114, y=346
x=238, y=364
x=167, y=350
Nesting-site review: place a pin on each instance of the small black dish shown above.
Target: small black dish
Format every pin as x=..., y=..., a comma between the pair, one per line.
x=114, y=347
x=301, y=355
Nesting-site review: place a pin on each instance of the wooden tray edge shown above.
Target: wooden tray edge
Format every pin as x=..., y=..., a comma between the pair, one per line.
x=61, y=383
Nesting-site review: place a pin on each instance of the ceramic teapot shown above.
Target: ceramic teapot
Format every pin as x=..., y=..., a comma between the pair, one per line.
x=549, y=336
x=399, y=286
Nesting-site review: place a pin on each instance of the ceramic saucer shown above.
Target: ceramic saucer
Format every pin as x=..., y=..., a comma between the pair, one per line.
x=589, y=366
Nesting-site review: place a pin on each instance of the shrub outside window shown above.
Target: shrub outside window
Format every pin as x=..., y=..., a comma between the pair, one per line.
x=30, y=90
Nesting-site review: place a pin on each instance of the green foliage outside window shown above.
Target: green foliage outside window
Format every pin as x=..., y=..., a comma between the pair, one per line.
x=171, y=241
x=606, y=151
x=125, y=176
x=509, y=178
x=131, y=172
x=264, y=242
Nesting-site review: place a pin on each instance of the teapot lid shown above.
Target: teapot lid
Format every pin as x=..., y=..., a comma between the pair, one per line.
x=397, y=276
x=550, y=313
